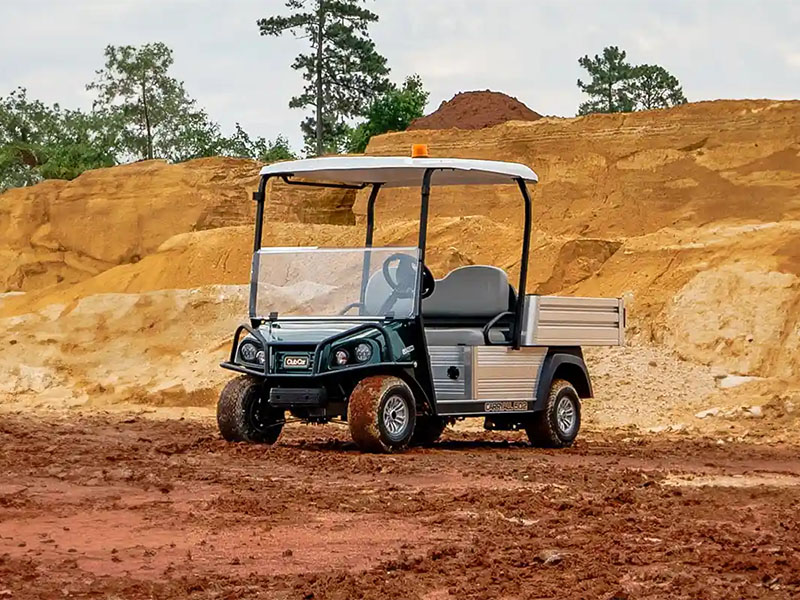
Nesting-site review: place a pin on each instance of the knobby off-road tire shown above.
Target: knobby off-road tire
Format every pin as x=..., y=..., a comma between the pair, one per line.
x=558, y=424
x=381, y=414
x=244, y=413
x=427, y=430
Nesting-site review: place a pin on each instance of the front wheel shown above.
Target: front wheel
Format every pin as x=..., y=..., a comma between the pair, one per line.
x=244, y=413
x=381, y=413
x=558, y=424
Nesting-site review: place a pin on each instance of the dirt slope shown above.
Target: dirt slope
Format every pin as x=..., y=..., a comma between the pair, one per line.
x=65, y=231
x=132, y=276
x=691, y=213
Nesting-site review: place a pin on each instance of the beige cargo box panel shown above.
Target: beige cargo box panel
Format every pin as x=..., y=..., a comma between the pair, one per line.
x=567, y=321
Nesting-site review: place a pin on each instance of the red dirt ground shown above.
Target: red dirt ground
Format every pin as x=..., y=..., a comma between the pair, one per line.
x=127, y=507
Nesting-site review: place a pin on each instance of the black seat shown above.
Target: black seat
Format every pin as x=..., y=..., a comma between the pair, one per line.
x=463, y=302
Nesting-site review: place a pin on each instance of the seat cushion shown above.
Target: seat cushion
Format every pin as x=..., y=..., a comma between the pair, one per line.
x=464, y=336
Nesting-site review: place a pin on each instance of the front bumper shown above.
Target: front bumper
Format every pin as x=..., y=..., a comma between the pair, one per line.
x=308, y=376
x=298, y=397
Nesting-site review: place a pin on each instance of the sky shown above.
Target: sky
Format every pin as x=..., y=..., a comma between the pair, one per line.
x=526, y=48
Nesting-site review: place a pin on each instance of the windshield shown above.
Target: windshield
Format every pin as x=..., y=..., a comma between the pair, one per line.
x=326, y=282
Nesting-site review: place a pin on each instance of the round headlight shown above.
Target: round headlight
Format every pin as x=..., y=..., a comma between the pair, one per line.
x=363, y=352
x=261, y=357
x=341, y=357
x=248, y=351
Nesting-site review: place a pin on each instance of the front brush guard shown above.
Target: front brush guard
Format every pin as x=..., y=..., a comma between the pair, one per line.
x=316, y=366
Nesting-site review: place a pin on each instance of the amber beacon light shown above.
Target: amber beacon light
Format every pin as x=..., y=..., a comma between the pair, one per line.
x=419, y=151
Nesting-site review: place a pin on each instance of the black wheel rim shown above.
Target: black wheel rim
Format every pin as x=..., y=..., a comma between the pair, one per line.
x=257, y=413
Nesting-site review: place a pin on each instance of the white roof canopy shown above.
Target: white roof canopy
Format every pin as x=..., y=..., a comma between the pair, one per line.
x=395, y=171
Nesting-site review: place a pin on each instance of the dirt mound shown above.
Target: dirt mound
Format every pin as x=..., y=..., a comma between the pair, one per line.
x=475, y=110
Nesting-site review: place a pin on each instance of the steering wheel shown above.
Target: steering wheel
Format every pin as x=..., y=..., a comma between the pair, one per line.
x=406, y=273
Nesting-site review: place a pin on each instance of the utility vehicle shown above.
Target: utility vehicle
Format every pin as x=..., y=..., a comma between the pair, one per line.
x=369, y=336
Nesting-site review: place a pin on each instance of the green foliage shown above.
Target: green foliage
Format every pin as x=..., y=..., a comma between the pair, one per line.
x=157, y=116
x=653, y=86
x=393, y=111
x=608, y=88
x=343, y=71
x=44, y=142
x=86, y=141
x=277, y=150
x=617, y=86
x=241, y=145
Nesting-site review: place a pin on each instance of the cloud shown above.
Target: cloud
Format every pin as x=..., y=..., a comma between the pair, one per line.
x=792, y=59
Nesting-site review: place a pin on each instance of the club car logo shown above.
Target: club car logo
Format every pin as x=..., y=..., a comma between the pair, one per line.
x=295, y=362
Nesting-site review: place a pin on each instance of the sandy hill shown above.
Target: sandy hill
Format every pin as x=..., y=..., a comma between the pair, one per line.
x=125, y=283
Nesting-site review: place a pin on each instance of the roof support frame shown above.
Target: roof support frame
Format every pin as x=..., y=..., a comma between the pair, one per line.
x=260, y=197
x=335, y=186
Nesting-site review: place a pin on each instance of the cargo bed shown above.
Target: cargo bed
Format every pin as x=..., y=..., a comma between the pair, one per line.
x=572, y=321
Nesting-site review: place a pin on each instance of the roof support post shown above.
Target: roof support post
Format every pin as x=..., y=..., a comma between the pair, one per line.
x=523, y=265
x=373, y=196
x=423, y=233
x=260, y=197
x=365, y=267
x=423, y=213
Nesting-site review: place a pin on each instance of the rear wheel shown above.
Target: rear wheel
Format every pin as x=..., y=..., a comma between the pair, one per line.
x=244, y=413
x=428, y=430
x=558, y=424
x=381, y=414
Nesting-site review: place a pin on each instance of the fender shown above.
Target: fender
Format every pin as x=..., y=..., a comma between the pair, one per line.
x=568, y=363
x=424, y=401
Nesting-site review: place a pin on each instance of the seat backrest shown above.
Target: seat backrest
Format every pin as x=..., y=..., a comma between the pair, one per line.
x=474, y=291
x=378, y=292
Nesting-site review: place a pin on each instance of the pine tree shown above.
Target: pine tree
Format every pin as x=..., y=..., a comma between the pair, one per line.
x=652, y=87
x=617, y=86
x=609, y=85
x=343, y=71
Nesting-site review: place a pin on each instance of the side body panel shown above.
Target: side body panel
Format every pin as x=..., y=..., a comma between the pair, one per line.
x=485, y=380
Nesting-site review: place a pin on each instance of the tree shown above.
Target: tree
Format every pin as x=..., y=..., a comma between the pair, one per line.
x=392, y=111
x=157, y=117
x=25, y=128
x=277, y=150
x=85, y=141
x=140, y=112
x=616, y=86
x=45, y=142
x=343, y=71
x=609, y=86
x=241, y=145
x=653, y=86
